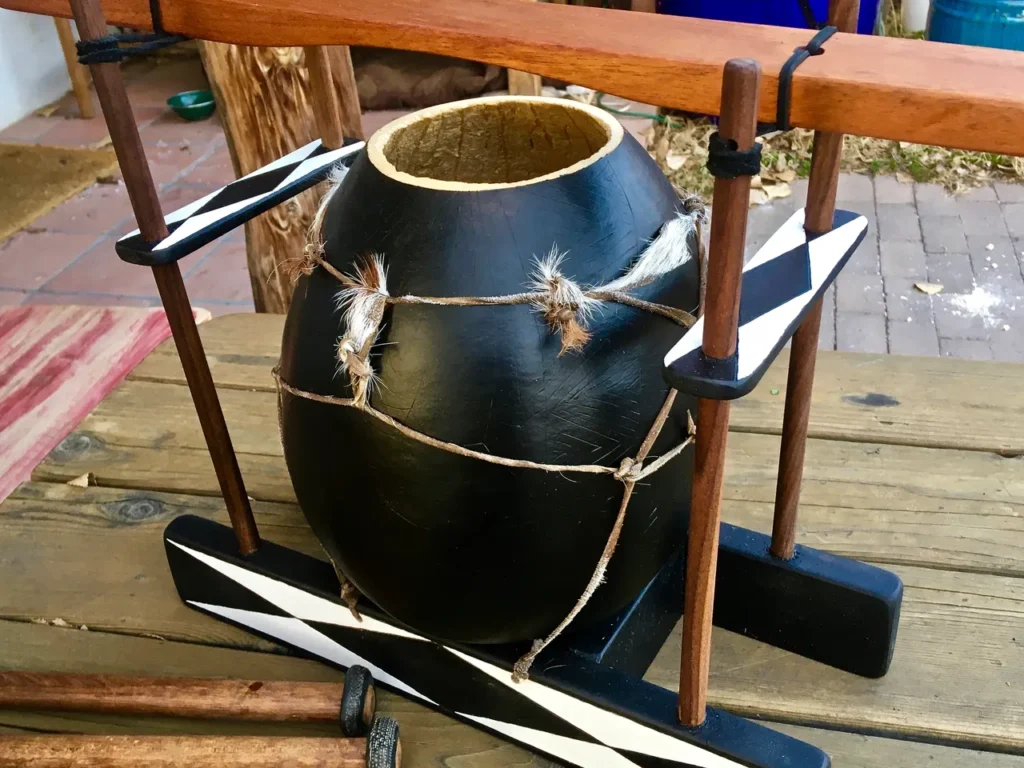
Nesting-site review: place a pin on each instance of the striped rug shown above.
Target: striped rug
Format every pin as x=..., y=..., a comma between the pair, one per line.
x=56, y=364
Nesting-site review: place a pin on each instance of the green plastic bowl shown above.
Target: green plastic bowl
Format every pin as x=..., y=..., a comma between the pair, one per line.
x=192, y=105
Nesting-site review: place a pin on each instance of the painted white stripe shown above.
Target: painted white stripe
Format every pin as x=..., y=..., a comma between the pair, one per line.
x=757, y=337
x=301, y=635
x=607, y=727
x=295, y=156
x=297, y=602
x=307, y=167
x=579, y=753
x=203, y=221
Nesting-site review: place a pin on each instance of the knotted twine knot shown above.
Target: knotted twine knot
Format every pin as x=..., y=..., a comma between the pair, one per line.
x=629, y=471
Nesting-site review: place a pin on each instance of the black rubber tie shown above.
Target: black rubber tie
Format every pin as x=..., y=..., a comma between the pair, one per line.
x=727, y=161
x=111, y=48
x=814, y=47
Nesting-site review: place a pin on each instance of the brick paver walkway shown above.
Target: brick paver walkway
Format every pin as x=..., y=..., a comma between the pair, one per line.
x=973, y=245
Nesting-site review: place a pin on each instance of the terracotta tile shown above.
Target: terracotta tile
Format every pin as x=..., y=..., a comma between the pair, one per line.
x=27, y=130
x=74, y=132
x=167, y=162
x=222, y=276
x=154, y=85
x=213, y=169
x=92, y=299
x=29, y=259
x=95, y=211
x=101, y=271
x=11, y=298
x=170, y=130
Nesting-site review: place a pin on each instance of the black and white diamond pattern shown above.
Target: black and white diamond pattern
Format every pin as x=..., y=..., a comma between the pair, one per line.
x=196, y=224
x=780, y=284
x=469, y=687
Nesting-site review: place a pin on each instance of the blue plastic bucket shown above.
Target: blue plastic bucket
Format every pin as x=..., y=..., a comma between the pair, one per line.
x=780, y=13
x=992, y=23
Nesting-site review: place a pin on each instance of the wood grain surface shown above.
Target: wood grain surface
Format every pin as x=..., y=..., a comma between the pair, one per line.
x=265, y=96
x=930, y=93
x=429, y=739
x=956, y=675
x=949, y=521
x=197, y=697
x=892, y=399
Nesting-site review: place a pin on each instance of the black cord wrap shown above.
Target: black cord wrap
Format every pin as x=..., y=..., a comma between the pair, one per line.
x=814, y=47
x=108, y=49
x=727, y=161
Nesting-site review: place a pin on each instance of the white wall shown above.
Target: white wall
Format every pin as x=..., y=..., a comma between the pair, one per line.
x=32, y=70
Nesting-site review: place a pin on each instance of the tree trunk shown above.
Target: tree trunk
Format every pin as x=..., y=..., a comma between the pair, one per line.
x=263, y=96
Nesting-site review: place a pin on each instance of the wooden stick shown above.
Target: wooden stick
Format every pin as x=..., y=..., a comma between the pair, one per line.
x=326, y=106
x=821, y=205
x=74, y=751
x=269, y=700
x=79, y=75
x=138, y=181
x=740, y=86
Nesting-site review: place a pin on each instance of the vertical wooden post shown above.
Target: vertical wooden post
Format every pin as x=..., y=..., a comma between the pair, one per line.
x=138, y=181
x=78, y=74
x=820, y=209
x=738, y=122
x=325, y=103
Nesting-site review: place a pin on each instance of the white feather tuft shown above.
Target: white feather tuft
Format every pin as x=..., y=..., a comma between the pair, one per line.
x=668, y=251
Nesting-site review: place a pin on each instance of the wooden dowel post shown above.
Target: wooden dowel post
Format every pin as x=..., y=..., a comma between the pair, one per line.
x=78, y=74
x=268, y=700
x=326, y=105
x=738, y=122
x=55, y=750
x=138, y=181
x=820, y=209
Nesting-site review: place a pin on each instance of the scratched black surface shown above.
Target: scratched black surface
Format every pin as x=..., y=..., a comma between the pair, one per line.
x=455, y=547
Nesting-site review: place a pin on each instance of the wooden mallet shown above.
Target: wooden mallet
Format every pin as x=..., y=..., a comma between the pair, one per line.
x=380, y=749
x=351, y=704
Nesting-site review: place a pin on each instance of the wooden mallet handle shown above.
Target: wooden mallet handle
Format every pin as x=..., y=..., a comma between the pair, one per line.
x=74, y=751
x=269, y=700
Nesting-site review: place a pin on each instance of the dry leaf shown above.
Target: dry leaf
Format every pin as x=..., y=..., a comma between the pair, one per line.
x=904, y=178
x=83, y=481
x=787, y=175
x=929, y=288
x=674, y=161
x=758, y=197
x=756, y=182
x=48, y=110
x=778, y=191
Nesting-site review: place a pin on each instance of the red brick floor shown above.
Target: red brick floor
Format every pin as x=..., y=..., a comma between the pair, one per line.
x=67, y=256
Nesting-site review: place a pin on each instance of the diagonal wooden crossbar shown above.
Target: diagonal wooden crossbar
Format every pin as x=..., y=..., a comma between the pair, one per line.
x=929, y=93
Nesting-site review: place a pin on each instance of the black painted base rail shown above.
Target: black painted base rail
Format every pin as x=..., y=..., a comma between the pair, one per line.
x=573, y=709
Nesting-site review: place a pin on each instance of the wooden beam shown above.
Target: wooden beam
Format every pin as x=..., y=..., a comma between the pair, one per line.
x=911, y=90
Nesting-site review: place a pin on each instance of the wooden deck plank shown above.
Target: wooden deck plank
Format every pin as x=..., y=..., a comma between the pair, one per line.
x=958, y=96
x=929, y=402
x=429, y=738
x=886, y=503
x=956, y=675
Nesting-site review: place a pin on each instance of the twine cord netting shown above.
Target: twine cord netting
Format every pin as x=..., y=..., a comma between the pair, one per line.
x=565, y=307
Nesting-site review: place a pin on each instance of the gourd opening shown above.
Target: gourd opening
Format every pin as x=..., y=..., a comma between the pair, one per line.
x=493, y=142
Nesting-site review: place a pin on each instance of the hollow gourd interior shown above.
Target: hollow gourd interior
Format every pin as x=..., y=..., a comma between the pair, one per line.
x=497, y=141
